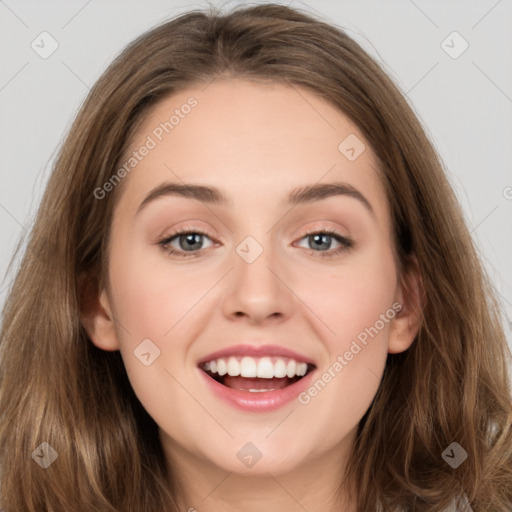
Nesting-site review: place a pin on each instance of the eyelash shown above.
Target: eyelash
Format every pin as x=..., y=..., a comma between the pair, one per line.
x=345, y=242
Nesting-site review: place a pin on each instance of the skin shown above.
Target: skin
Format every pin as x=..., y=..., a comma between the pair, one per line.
x=256, y=142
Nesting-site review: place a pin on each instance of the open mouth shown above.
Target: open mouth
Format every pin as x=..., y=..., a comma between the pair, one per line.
x=256, y=375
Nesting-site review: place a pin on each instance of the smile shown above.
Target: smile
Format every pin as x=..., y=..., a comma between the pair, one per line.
x=256, y=374
x=256, y=382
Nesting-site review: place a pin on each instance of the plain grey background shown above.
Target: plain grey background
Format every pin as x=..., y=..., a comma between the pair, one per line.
x=459, y=84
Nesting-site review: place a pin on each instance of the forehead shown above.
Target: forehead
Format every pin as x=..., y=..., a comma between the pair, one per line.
x=253, y=140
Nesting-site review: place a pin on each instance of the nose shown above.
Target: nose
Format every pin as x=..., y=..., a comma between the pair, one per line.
x=258, y=291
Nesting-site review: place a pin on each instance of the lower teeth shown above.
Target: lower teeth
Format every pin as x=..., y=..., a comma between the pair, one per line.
x=221, y=380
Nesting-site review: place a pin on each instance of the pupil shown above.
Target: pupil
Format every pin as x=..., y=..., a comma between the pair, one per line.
x=318, y=239
x=191, y=239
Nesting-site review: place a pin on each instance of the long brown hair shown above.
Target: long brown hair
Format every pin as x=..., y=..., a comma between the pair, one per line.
x=452, y=385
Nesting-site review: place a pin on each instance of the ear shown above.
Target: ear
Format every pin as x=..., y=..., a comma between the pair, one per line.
x=96, y=314
x=410, y=295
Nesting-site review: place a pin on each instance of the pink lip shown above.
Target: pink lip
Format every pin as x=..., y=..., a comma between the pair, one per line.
x=258, y=402
x=256, y=351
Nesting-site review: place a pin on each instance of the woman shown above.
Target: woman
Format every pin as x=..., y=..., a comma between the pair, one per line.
x=260, y=368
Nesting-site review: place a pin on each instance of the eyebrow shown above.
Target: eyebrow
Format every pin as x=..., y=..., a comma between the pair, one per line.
x=212, y=195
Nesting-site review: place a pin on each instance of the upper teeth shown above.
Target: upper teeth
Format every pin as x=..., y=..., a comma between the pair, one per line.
x=265, y=367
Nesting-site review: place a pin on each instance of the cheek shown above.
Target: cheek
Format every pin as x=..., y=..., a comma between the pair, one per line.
x=351, y=297
x=149, y=305
x=150, y=294
x=356, y=305
x=354, y=302
x=156, y=301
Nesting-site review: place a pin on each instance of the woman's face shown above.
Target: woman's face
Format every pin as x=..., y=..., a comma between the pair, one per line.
x=254, y=287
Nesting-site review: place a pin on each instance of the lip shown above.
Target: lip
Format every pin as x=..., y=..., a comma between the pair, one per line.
x=256, y=351
x=257, y=402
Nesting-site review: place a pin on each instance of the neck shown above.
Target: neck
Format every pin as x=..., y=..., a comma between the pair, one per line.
x=314, y=486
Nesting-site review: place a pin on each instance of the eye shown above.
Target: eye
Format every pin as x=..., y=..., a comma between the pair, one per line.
x=322, y=240
x=189, y=243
